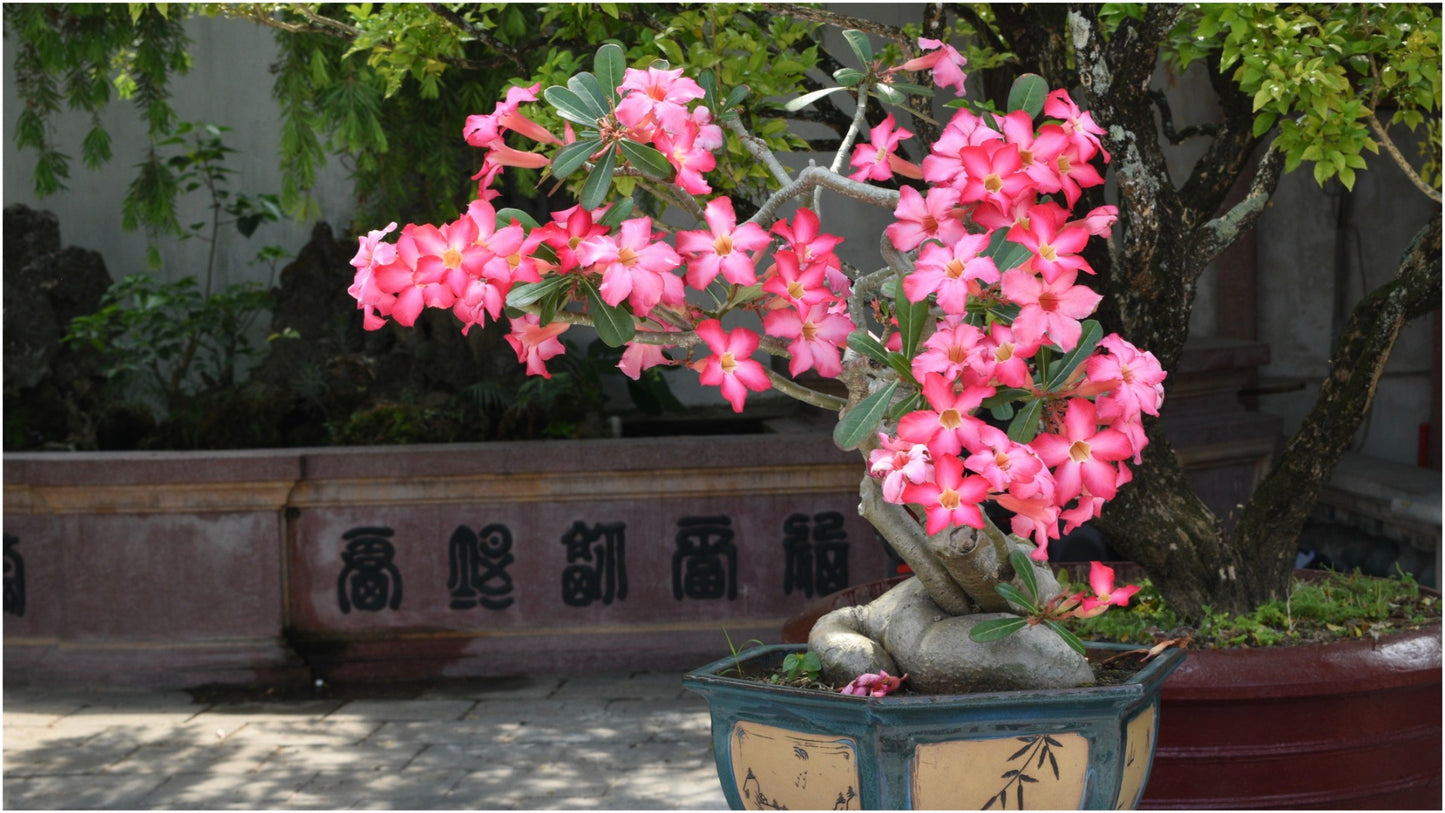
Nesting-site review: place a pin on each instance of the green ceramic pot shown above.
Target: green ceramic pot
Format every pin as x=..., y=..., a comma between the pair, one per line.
x=781, y=747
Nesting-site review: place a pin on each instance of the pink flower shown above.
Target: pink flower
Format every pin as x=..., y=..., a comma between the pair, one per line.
x=1035, y=517
x=818, y=336
x=801, y=287
x=1100, y=220
x=873, y=685
x=946, y=63
x=535, y=343
x=567, y=230
x=948, y=426
x=690, y=160
x=724, y=248
x=731, y=366
x=1000, y=460
x=1054, y=241
x=878, y=160
x=943, y=164
x=1078, y=125
x=634, y=267
x=993, y=175
x=900, y=464
x=1006, y=358
x=1082, y=455
x=1048, y=308
x=950, y=350
x=1106, y=595
x=487, y=131
x=639, y=356
x=951, y=499
x=953, y=272
x=806, y=239
x=374, y=303
x=656, y=97
x=918, y=218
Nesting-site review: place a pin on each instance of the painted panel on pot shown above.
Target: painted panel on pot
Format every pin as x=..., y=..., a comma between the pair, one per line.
x=1138, y=751
x=777, y=769
x=1033, y=772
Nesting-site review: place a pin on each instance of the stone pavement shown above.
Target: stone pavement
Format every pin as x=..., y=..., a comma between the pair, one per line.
x=599, y=741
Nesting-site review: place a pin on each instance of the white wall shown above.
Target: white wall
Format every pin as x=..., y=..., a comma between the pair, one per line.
x=230, y=85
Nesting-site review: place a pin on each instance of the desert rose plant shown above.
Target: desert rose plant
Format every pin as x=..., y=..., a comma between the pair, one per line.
x=973, y=373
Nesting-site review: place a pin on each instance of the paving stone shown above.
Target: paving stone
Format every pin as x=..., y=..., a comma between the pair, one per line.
x=68, y=793
x=220, y=757
x=221, y=791
x=395, y=710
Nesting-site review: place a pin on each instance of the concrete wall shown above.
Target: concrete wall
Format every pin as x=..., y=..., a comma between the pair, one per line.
x=229, y=84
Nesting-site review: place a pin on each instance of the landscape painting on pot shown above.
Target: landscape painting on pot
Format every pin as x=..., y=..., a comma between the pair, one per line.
x=971, y=370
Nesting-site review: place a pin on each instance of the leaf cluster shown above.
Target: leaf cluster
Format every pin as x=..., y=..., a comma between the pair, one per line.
x=1337, y=606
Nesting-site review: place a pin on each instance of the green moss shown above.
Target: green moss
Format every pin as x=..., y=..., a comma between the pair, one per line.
x=1335, y=606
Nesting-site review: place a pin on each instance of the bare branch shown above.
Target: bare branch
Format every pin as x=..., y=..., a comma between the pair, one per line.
x=1389, y=145
x=1221, y=232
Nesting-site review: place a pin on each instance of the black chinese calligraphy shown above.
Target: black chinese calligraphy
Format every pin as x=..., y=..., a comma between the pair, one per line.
x=815, y=553
x=478, y=563
x=705, y=562
x=596, y=564
x=14, y=577
x=369, y=580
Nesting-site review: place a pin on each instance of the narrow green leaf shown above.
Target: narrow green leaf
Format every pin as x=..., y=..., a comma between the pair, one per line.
x=570, y=106
x=808, y=98
x=574, y=155
x=527, y=293
x=1065, y=367
x=1027, y=94
x=736, y=96
x=1005, y=254
x=864, y=344
x=858, y=41
x=589, y=90
x=848, y=77
x=652, y=163
x=912, y=89
x=1024, y=567
x=617, y=213
x=1013, y=595
x=910, y=404
x=614, y=325
x=610, y=65
x=889, y=94
x=912, y=318
x=996, y=629
x=594, y=189
x=1069, y=638
x=506, y=215
x=862, y=420
x=1025, y=424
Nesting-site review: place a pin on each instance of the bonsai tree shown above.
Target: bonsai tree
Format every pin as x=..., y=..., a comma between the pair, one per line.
x=971, y=370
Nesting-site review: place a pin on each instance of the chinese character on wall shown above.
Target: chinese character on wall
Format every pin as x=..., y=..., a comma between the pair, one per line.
x=705, y=562
x=478, y=567
x=596, y=564
x=369, y=579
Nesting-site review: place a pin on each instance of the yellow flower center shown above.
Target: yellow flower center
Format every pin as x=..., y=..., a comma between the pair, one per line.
x=727, y=363
x=723, y=244
x=451, y=258
x=1079, y=451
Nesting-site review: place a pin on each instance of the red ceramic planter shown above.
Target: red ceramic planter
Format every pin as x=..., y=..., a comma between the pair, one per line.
x=1351, y=725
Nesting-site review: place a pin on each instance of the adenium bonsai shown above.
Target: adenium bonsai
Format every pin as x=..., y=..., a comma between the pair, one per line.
x=972, y=370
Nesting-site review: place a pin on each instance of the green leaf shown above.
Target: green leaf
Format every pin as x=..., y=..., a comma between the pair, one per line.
x=1025, y=424
x=610, y=65
x=573, y=156
x=1065, y=367
x=594, y=189
x=570, y=106
x=652, y=163
x=736, y=96
x=506, y=215
x=587, y=88
x=864, y=344
x=912, y=318
x=527, y=293
x=1013, y=595
x=1024, y=567
x=858, y=41
x=913, y=402
x=1027, y=94
x=614, y=324
x=808, y=98
x=996, y=629
x=863, y=419
x=889, y=94
x=1069, y=638
x=616, y=213
x=1004, y=253
x=848, y=77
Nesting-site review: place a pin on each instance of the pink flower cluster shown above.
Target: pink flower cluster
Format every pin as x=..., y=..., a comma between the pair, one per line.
x=873, y=684
x=993, y=327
